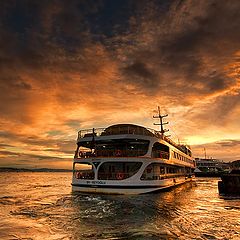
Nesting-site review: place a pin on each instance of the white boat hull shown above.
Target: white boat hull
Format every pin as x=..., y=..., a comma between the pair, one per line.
x=128, y=189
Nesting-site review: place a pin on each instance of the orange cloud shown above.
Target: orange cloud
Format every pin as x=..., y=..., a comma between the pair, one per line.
x=73, y=68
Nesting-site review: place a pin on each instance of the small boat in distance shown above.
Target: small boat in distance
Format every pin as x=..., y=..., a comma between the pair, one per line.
x=129, y=159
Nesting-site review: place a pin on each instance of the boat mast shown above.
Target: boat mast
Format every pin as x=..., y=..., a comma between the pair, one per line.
x=161, y=123
x=205, y=154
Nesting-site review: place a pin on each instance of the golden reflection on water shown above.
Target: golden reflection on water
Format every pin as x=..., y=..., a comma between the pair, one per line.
x=41, y=206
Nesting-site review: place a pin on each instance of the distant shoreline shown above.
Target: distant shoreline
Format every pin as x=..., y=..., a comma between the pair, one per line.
x=5, y=169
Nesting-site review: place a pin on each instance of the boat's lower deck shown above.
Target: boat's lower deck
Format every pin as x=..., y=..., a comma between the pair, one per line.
x=127, y=176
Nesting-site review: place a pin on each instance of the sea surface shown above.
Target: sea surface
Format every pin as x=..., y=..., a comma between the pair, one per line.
x=42, y=206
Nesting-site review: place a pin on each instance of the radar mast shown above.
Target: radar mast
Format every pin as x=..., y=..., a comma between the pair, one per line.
x=161, y=123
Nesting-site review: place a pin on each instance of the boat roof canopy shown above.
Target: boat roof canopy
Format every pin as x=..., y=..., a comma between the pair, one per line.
x=119, y=129
x=127, y=129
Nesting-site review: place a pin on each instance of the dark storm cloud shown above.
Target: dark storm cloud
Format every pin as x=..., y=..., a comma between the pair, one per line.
x=195, y=50
x=49, y=34
x=142, y=76
x=220, y=112
x=37, y=35
x=216, y=82
x=140, y=69
x=65, y=63
x=14, y=83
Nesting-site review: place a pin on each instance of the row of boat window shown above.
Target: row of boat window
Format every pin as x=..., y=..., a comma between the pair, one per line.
x=180, y=157
x=113, y=148
x=207, y=164
x=158, y=171
x=124, y=170
x=121, y=148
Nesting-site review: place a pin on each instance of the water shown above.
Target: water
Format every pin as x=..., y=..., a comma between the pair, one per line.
x=41, y=206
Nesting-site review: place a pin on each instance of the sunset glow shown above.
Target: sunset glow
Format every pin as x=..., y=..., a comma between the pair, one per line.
x=70, y=65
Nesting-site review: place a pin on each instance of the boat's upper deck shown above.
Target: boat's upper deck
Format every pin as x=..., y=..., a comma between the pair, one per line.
x=119, y=129
x=129, y=129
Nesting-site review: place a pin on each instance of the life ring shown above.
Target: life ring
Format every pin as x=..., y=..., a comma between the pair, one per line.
x=119, y=176
x=78, y=175
x=118, y=153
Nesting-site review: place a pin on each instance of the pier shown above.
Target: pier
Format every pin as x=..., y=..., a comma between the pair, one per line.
x=230, y=183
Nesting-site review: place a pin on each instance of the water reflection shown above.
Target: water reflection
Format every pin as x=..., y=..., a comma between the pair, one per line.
x=42, y=206
x=130, y=217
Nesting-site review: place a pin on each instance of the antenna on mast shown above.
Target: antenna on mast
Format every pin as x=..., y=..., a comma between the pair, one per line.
x=161, y=123
x=205, y=154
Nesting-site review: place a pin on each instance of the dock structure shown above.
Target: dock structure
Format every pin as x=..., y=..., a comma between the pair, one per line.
x=230, y=184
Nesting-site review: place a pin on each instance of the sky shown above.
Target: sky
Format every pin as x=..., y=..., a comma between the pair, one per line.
x=71, y=65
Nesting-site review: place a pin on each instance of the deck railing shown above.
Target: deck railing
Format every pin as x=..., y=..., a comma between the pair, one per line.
x=114, y=176
x=96, y=132
x=118, y=131
x=112, y=153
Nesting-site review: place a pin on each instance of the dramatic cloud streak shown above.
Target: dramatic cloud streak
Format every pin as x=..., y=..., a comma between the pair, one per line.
x=66, y=65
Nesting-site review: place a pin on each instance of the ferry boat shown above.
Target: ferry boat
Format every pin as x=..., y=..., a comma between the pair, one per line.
x=209, y=167
x=129, y=159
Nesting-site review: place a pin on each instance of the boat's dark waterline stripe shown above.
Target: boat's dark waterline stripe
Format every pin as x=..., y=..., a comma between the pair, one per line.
x=118, y=186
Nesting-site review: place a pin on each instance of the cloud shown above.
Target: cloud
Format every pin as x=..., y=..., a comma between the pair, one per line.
x=229, y=143
x=222, y=111
x=27, y=156
x=186, y=51
x=66, y=65
x=219, y=150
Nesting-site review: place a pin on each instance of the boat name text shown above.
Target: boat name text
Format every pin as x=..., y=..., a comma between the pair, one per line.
x=96, y=182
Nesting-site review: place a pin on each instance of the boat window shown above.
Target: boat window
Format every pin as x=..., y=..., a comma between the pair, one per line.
x=153, y=171
x=83, y=171
x=118, y=170
x=172, y=170
x=158, y=171
x=160, y=150
x=114, y=148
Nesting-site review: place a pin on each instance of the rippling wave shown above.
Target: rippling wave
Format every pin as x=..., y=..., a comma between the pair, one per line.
x=42, y=206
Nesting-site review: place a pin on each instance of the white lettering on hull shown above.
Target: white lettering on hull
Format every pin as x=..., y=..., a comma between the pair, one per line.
x=96, y=182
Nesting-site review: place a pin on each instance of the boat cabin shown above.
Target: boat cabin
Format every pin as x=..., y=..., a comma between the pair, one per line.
x=122, y=140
